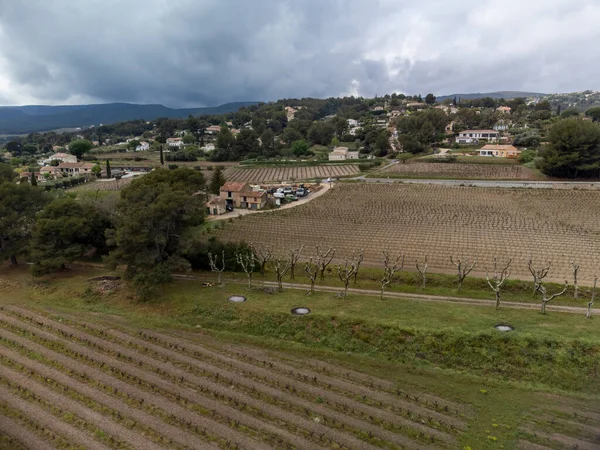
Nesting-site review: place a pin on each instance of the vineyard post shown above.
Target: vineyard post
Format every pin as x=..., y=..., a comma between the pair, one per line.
x=464, y=269
x=248, y=263
x=499, y=279
x=294, y=258
x=282, y=269
x=213, y=261
x=545, y=300
x=423, y=272
x=538, y=274
x=575, y=269
x=358, y=259
x=588, y=313
x=389, y=270
x=312, y=270
x=324, y=260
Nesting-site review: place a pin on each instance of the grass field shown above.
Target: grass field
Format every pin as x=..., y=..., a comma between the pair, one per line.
x=191, y=370
x=440, y=221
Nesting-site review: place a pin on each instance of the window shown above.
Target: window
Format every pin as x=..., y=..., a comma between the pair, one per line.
x=229, y=194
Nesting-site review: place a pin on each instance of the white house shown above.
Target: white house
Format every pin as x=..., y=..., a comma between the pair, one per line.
x=175, y=142
x=142, y=147
x=474, y=136
x=342, y=154
x=352, y=123
x=213, y=129
x=62, y=157
x=208, y=147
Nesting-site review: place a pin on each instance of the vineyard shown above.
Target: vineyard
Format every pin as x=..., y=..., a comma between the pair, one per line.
x=439, y=221
x=73, y=384
x=289, y=174
x=457, y=170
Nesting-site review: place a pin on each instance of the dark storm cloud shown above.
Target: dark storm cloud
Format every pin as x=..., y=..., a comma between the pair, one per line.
x=192, y=52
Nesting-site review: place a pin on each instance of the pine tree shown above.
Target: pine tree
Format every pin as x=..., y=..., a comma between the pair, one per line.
x=108, y=174
x=162, y=158
x=33, y=179
x=216, y=181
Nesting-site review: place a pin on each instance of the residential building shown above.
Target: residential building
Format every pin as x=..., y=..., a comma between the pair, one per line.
x=500, y=151
x=213, y=129
x=51, y=170
x=503, y=109
x=241, y=195
x=38, y=176
x=208, y=147
x=216, y=206
x=475, y=136
x=62, y=157
x=290, y=112
x=142, y=147
x=342, y=154
x=175, y=142
x=72, y=169
x=352, y=123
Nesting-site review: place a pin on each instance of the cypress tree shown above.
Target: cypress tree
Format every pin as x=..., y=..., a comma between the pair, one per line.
x=33, y=179
x=162, y=158
x=216, y=181
x=108, y=174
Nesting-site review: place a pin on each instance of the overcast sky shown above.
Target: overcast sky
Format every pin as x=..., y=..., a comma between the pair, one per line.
x=208, y=52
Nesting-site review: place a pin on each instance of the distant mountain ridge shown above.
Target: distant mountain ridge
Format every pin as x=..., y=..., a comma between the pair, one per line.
x=499, y=94
x=37, y=118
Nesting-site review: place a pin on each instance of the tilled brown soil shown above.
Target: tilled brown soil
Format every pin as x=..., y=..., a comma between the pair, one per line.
x=13, y=429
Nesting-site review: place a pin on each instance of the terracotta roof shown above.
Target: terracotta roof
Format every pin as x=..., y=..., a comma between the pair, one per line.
x=217, y=201
x=479, y=131
x=81, y=165
x=233, y=187
x=499, y=147
x=254, y=194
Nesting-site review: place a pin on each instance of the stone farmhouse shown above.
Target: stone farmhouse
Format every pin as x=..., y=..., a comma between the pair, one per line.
x=342, y=154
x=241, y=195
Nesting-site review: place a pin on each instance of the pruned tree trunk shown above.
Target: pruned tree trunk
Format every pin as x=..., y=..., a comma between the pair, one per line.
x=575, y=269
x=423, y=272
x=358, y=259
x=295, y=257
x=346, y=273
x=248, y=263
x=281, y=268
x=312, y=270
x=499, y=279
x=389, y=270
x=263, y=254
x=538, y=274
x=213, y=261
x=545, y=299
x=13, y=260
x=588, y=313
x=324, y=261
x=464, y=269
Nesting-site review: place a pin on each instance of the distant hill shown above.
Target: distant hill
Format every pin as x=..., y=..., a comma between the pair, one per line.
x=34, y=118
x=500, y=94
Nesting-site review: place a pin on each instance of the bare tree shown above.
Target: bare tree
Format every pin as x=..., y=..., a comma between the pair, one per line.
x=464, y=269
x=213, y=261
x=545, y=299
x=248, y=263
x=575, y=269
x=389, y=270
x=312, y=270
x=499, y=279
x=324, y=260
x=263, y=254
x=423, y=272
x=294, y=258
x=358, y=259
x=346, y=273
x=538, y=274
x=281, y=268
x=588, y=313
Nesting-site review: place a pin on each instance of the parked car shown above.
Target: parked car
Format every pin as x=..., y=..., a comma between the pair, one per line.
x=279, y=195
x=291, y=197
x=287, y=190
x=300, y=192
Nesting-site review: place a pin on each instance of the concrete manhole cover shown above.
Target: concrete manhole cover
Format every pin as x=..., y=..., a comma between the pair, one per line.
x=504, y=327
x=237, y=298
x=300, y=311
